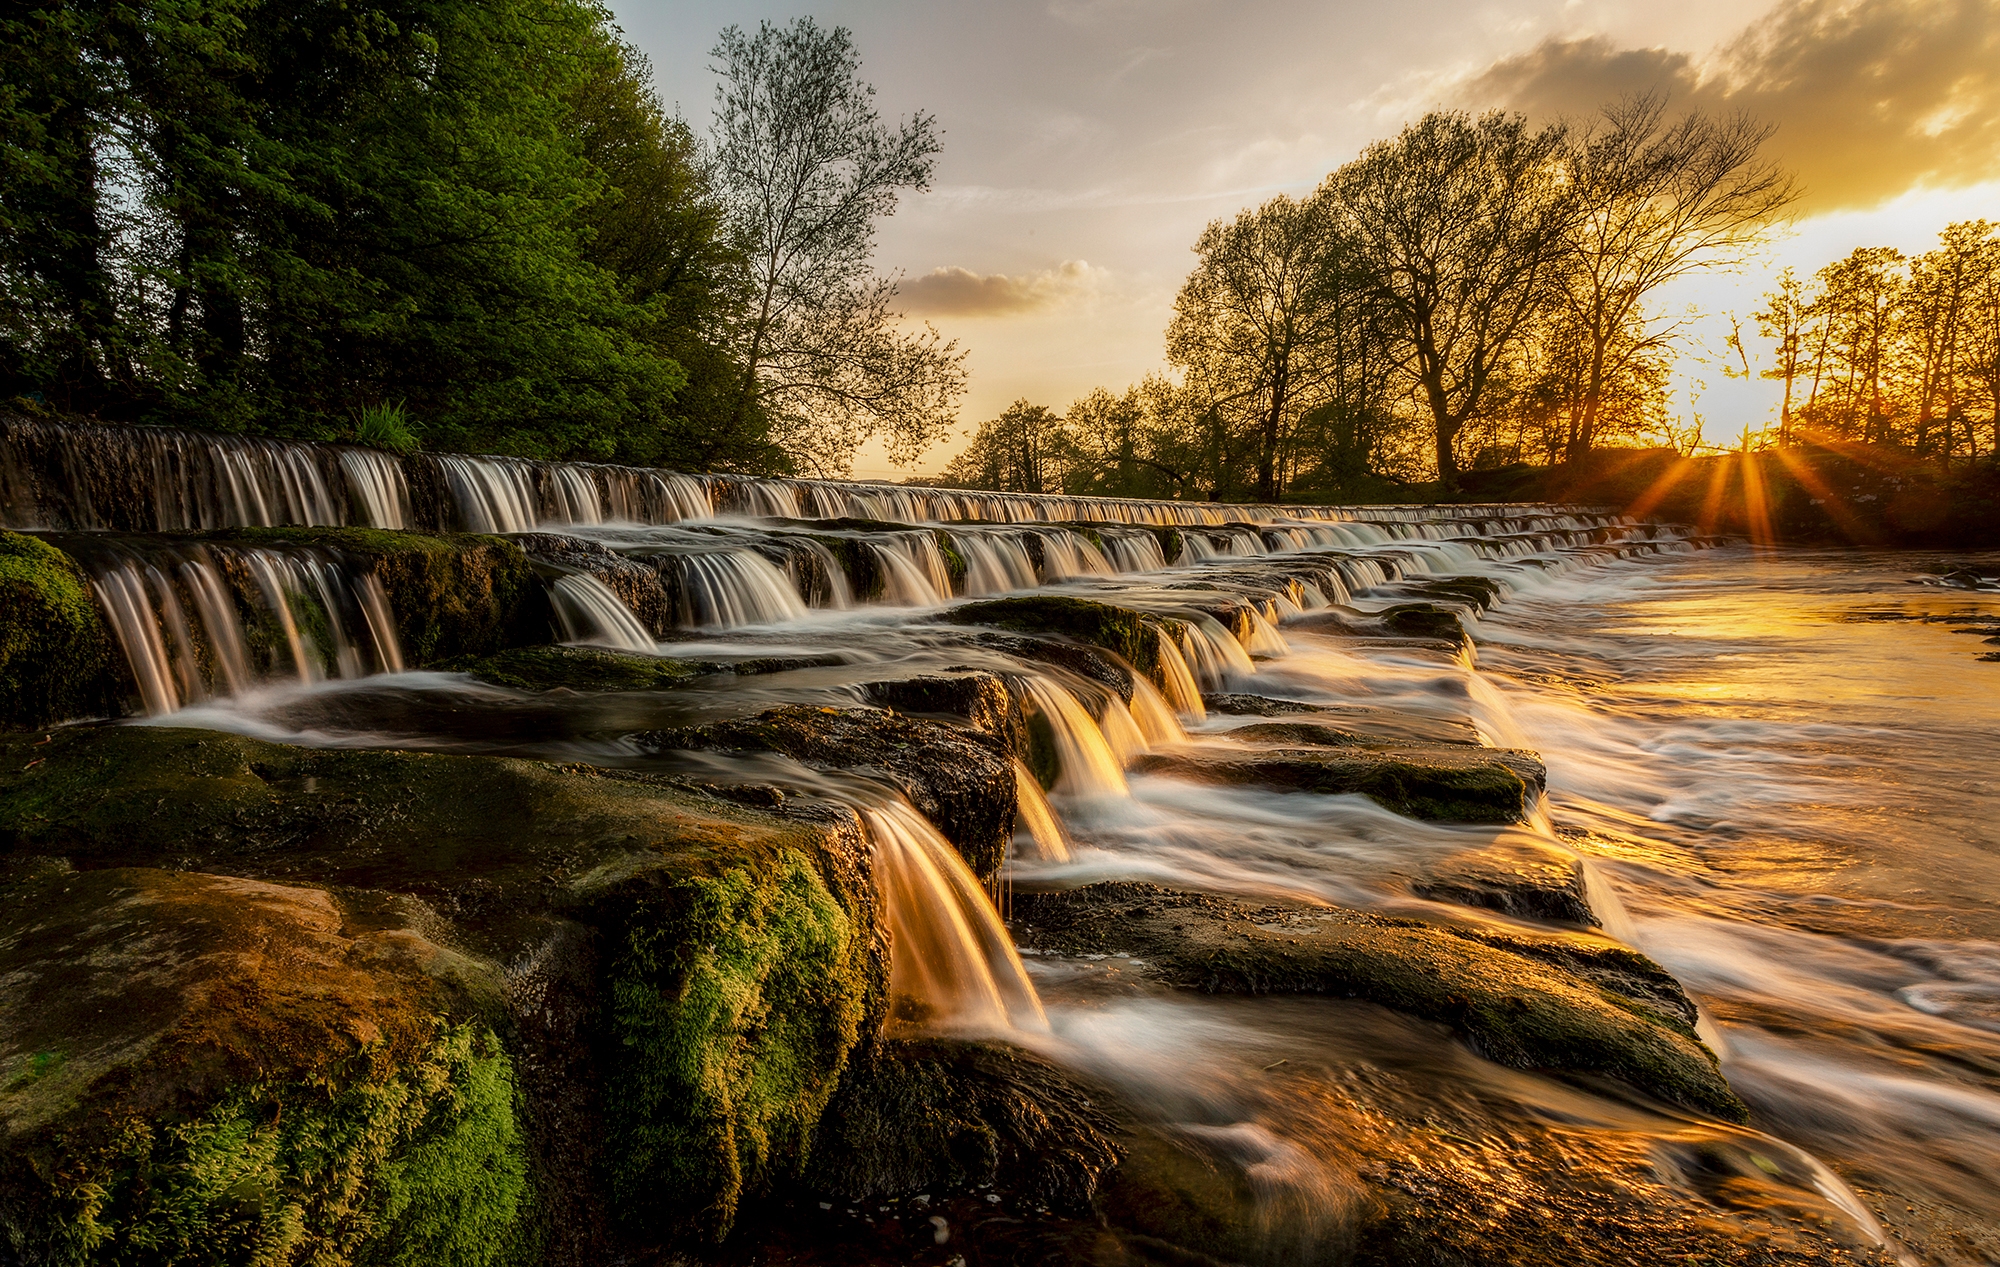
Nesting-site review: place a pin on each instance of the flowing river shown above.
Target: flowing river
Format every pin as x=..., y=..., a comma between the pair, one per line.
x=1775, y=770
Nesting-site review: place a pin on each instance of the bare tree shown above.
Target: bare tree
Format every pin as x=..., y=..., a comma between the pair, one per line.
x=1461, y=223
x=1652, y=200
x=807, y=166
x=1256, y=324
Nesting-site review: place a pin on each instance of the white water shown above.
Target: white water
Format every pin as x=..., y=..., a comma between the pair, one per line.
x=591, y=613
x=948, y=949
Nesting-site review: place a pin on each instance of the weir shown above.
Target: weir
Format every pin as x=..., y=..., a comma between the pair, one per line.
x=777, y=810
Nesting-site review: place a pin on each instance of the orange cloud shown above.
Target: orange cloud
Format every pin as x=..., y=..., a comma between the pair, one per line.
x=1871, y=97
x=960, y=292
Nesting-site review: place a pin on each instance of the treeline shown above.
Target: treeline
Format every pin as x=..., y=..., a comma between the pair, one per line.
x=1886, y=349
x=468, y=223
x=1470, y=294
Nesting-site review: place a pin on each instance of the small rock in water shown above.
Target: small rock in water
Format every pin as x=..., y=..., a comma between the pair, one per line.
x=940, y=1230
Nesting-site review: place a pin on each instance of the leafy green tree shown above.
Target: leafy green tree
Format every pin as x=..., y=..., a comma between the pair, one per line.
x=807, y=166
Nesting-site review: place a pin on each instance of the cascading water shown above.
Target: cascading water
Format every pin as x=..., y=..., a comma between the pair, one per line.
x=734, y=588
x=1089, y=767
x=949, y=953
x=178, y=613
x=591, y=613
x=1843, y=1026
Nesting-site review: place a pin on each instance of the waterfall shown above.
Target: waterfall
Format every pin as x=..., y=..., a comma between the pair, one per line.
x=1066, y=555
x=375, y=483
x=591, y=613
x=1089, y=767
x=178, y=615
x=1036, y=819
x=1264, y=640
x=995, y=563
x=732, y=588
x=948, y=951
x=1135, y=553
x=1178, y=680
x=1155, y=718
x=492, y=494
x=913, y=572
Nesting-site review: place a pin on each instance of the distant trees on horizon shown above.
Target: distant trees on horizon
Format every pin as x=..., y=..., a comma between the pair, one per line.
x=1471, y=292
x=1883, y=348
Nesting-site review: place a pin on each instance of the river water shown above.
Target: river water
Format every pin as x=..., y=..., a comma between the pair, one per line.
x=1781, y=770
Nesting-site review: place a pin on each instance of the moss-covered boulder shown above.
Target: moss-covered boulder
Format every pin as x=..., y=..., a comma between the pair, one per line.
x=936, y=1115
x=56, y=659
x=1515, y=876
x=962, y=780
x=452, y=595
x=1451, y=783
x=205, y=1069
x=739, y=977
x=721, y=957
x=1551, y=1002
x=1132, y=636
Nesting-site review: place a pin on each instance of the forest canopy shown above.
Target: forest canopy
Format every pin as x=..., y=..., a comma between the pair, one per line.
x=469, y=223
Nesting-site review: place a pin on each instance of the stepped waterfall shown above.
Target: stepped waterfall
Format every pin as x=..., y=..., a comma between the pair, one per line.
x=656, y=866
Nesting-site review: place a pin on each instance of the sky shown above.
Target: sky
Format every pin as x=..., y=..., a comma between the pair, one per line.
x=1087, y=143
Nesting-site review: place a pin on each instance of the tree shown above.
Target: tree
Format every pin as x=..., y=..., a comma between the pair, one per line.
x=1784, y=319
x=1461, y=222
x=1257, y=326
x=325, y=208
x=1025, y=450
x=806, y=167
x=1650, y=201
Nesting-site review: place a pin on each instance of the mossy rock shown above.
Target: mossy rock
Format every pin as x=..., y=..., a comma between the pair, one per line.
x=1130, y=635
x=548, y=668
x=1552, y=1002
x=734, y=950
x=978, y=698
x=56, y=658
x=936, y=1114
x=452, y=595
x=1447, y=783
x=954, y=562
x=739, y=980
x=962, y=780
x=1518, y=877
x=204, y=1069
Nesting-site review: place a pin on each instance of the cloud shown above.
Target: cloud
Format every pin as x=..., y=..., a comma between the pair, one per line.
x=1871, y=97
x=960, y=292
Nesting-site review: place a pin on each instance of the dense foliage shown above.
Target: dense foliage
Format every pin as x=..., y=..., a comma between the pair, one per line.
x=1892, y=350
x=468, y=225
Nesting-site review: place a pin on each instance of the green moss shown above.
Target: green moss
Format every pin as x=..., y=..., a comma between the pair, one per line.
x=457, y=595
x=425, y=1166
x=858, y=563
x=954, y=562
x=1170, y=541
x=55, y=656
x=737, y=992
x=576, y=668
x=1129, y=634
